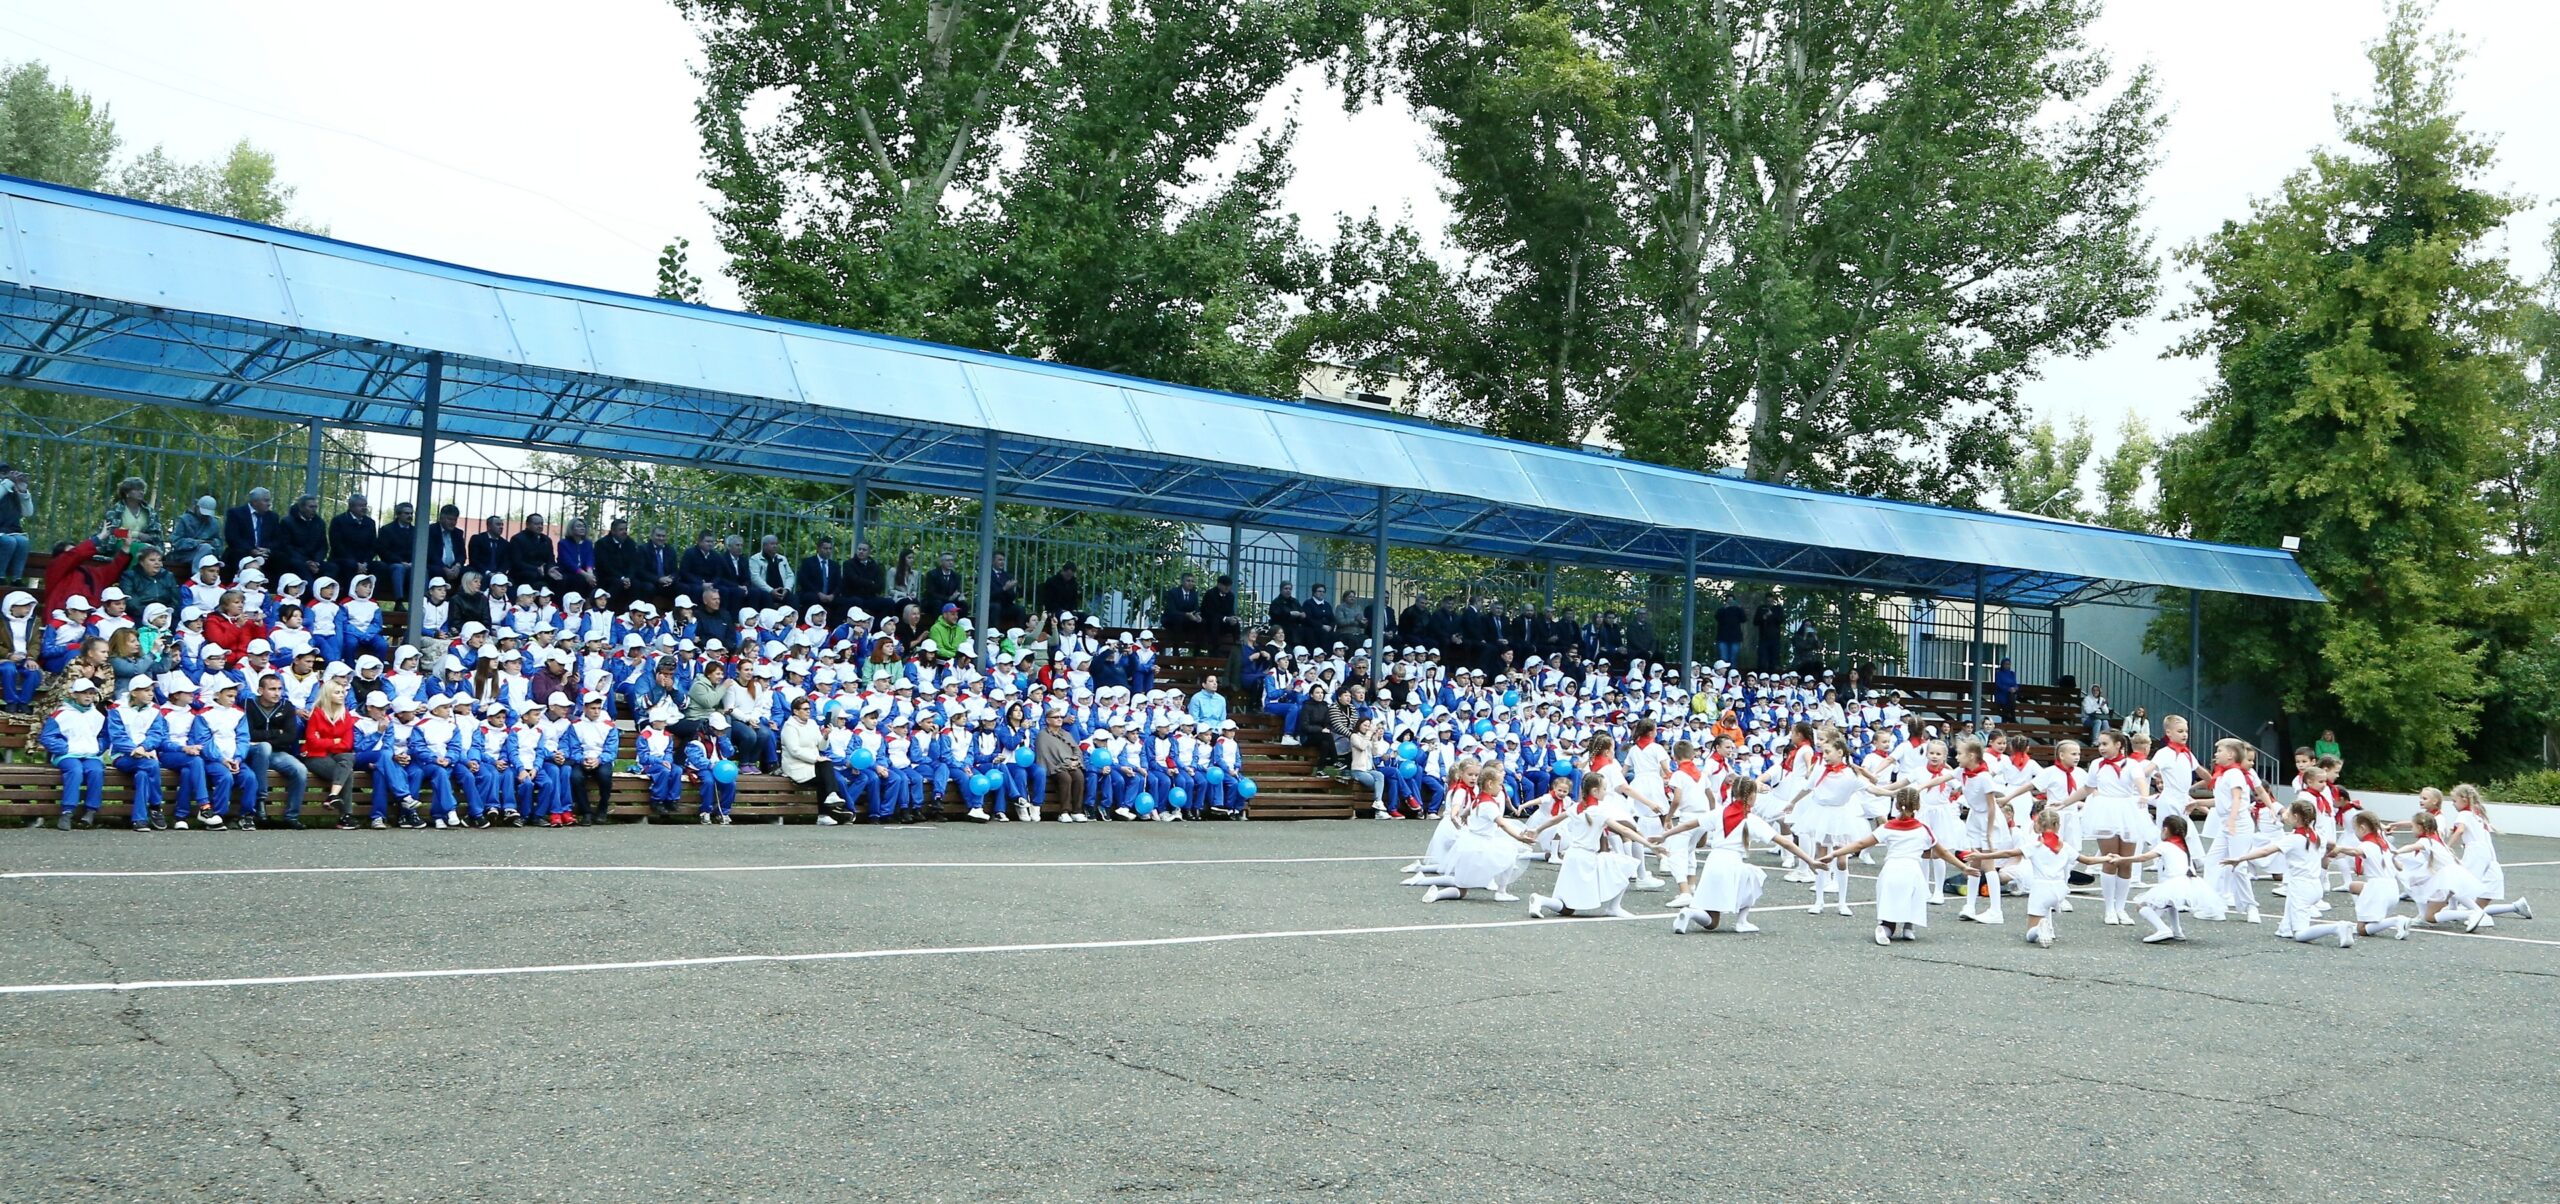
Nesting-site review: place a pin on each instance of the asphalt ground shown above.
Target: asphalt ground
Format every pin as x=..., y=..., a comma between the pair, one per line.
x=1462, y=1054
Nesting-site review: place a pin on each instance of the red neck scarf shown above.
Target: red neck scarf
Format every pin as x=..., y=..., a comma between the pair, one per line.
x=1599, y=763
x=1899, y=824
x=1691, y=768
x=2179, y=841
x=2309, y=835
x=2019, y=760
x=2052, y=841
x=2112, y=762
x=1734, y=814
x=2180, y=749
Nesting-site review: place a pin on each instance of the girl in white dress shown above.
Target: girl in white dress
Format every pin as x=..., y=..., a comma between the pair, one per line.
x=1987, y=825
x=1692, y=792
x=2235, y=806
x=2047, y=859
x=2472, y=833
x=1727, y=885
x=2377, y=881
x=2118, y=810
x=2302, y=854
x=2446, y=892
x=1486, y=855
x=1824, y=814
x=1594, y=874
x=1902, y=892
x=1444, y=834
x=2182, y=890
x=1782, y=782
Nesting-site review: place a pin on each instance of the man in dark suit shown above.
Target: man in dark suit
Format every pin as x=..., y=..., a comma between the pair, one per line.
x=866, y=582
x=353, y=540
x=1062, y=593
x=302, y=546
x=1317, y=615
x=1182, y=622
x=820, y=581
x=489, y=548
x=702, y=565
x=657, y=569
x=447, y=551
x=251, y=530
x=1218, y=612
x=1004, y=595
x=617, y=560
x=392, y=546
x=531, y=556
x=942, y=583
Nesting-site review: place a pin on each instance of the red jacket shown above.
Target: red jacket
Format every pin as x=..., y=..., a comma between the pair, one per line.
x=234, y=635
x=323, y=738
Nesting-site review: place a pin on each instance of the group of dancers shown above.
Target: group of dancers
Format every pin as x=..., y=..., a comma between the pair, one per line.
x=2164, y=837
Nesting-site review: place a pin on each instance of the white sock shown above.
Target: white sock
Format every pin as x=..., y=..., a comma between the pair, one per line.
x=2159, y=927
x=2500, y=909
x=2312, y=932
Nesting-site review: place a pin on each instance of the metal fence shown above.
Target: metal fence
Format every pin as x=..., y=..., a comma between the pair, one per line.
x=2126, y=690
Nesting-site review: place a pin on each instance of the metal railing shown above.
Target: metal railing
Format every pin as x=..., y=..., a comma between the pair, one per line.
x=2126, y=690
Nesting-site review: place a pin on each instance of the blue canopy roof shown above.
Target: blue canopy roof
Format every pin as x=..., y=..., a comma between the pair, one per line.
x=118, y=298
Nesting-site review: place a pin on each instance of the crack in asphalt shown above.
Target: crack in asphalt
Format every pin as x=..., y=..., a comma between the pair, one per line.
x=2096, y=981
x=266, y=1133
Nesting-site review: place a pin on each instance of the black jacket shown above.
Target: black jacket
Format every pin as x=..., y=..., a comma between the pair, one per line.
x=819, y=575
x=942, y=585
x=616, y=558
x=1061, y=593
x=279, y=729
x=353, y=539
x=305, y=539
x=866, y=578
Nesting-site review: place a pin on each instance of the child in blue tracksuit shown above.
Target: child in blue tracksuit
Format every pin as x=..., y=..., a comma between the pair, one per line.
x=21, y=651
x=983, y=750
x=707, y=749
x=551, y=798
x=395, y=767
x=1432, y=783
x=1141, y=662
x=1128, y=778
x=436, y=760
x=75, y=740
x=135, y=732
x=491, y=768
x=656, y=756
x=1025, y=784
x=1227, y=758
x=360, y=622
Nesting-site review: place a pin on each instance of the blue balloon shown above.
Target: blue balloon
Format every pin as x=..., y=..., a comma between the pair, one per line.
x=1484, y=727
x=1176, y=798
x=1407, y=770
x=1564, y=768
x=1511, y=698
x=1097, y=759
x=861, y=758
x=724, y=772
x=985, y=783
x=1246, y=789
x=1214, y=776
x=1409, y=751
x=1144, y=804
x=1023, y=756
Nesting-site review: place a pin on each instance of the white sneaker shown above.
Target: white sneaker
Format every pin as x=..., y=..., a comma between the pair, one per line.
x=1504, y=896
x=1680, y=923
x=1882, y=937
x=2253, y=916
x=1288, y=741
x=1005, y=818
x=977, y=815
x=705, y=817
x=826, y=821
x=1648, y=882
x=1031, y=816
x=724, y=821
x=1992, y=917
x=1745, y=926
x=1843, y=909
x=1677, y=901
x=1124, y=813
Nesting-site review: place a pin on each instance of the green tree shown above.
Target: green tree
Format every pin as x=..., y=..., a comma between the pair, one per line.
x=2120, y=477
x=2359, y=323
x=2045, y=477
x=52, y=131
x=243, y=184
x=1025, y=177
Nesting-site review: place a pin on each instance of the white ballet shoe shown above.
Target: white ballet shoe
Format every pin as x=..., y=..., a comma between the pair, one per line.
x=1677, y=901
x=1745, y=926
x=2043, y=937
x=2487, y=920
x=2253, y=916
x=1442, y=894
x=2157, y=937
x=1843, y=909
x=1989, y=917
x=2472, y=922
x=1680, y=923
x=2346, y=938
x=1414, y=880
x=2066, y=905
x=1619, y=911
x=1883, y=937
x=2399, y=928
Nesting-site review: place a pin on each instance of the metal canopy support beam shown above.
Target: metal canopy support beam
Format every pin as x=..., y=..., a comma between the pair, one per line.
x=1689, y=615
x=1844, y=633
x=2053, y=651
x=311, y=464
x=430, y=410
x=861, y=511
x=981, y=606
x=1973, y=661
x=1378, y=597
x=2195, y=658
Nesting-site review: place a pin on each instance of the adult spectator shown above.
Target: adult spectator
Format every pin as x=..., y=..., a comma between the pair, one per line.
x=1004, y=595
x=148, y=580
x=944, y=586
x=1729, y=620
x=2004, y=690
x=906, y=585
x=488, y=554
x=470, y=604
x=354, y=539
x=947, y=634
x=1218, y=612
x=328, y=747
x=17, y=505
x=617, y=567
x=577, y=558
x=275, y=740
x=251, y=529
x=1414, y=624
x=447, y=548
x=232, y=626
x=129, y=524
x=2094, y=710
x=532, y=559
x=1208, y=705
x=1062, y=593
x=303, y=545
x=701, y=565
x=657, y=569
x=1317, y=615
x=820, y=580
x=393, y=544
x=866, y=581
x=1769, y=629
x=198, y=534
x=769, y=574
x=1182, y=622
x=1062, y=759
x=733, y=567
x=1287, y=612
x=2325, y=748
x=716, y=617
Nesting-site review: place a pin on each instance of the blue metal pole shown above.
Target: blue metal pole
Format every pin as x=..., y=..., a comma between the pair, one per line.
x=1378, y=596
x=1973, y=668
x=987, y=549
x=1689, y=614
x=430, y=410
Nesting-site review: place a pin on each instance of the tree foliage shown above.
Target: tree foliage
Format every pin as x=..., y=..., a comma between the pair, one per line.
x=2121, y=474
x=2045, y=477
x=1824, y=242
x=2359, y=324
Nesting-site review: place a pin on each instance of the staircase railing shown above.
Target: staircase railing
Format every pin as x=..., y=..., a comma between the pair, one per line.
x=2127, y=689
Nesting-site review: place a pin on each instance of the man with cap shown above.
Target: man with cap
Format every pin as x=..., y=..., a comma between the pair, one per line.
x=135, y=732
x=74, y=738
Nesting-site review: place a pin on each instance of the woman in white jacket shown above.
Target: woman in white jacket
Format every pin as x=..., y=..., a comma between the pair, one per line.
x=804, y=743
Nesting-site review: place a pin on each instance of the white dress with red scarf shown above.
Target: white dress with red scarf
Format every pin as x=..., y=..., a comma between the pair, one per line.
x=1902, y=892
x=1727, y=884
x=1444, y=835
x=1940, y=804
x=1484, y=857
x=2435, y=872
x=1593, y=875
x=1693, y=797
x=2181, y=887
x=2381, y=873
x=1828, y=813
x=2114, y=807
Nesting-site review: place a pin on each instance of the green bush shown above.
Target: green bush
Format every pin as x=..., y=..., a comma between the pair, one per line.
x=2541, y=788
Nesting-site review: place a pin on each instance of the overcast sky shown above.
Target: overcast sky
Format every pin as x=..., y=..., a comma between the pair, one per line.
x=555, y=139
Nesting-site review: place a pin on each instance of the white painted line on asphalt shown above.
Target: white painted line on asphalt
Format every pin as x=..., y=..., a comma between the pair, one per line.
x=678, y=963
x=297, y=870
x=2524, y=865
